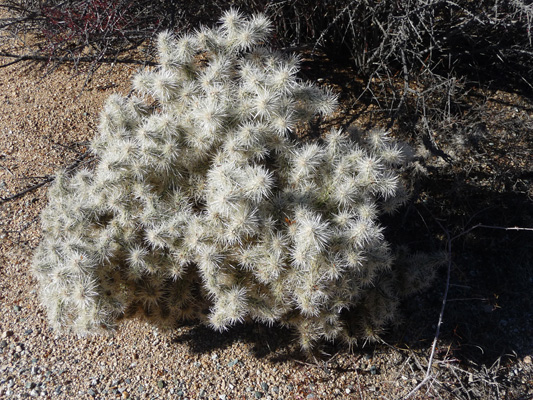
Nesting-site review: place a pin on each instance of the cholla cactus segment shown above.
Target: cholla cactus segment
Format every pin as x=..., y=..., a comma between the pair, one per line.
x=201, y=206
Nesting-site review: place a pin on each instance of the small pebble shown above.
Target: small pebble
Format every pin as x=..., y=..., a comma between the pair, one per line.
x=160, y=384
x=527, y=359
x=258, y=395
x=232, y=363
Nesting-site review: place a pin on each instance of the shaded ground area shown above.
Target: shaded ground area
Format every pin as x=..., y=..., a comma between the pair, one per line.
x=476, y=186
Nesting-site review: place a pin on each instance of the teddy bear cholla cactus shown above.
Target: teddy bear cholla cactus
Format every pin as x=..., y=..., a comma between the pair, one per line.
x=201, y=206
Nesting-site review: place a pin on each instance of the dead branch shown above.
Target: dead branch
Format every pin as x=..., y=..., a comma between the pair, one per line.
x=47, y=179
x=36, y=57
x=27, y=190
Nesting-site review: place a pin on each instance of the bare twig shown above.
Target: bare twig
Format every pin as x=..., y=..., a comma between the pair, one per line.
x=37, y=57
x=27, y=190
x=505, y=228
x=46, y=180
x=428, y=375
x=361, y=394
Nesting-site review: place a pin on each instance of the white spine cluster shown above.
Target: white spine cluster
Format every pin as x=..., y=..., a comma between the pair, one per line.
x=201, y=205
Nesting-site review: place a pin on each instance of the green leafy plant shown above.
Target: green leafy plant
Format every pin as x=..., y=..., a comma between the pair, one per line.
x=202, y=206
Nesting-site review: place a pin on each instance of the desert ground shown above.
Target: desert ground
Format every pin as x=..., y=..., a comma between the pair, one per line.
x=49, y=113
